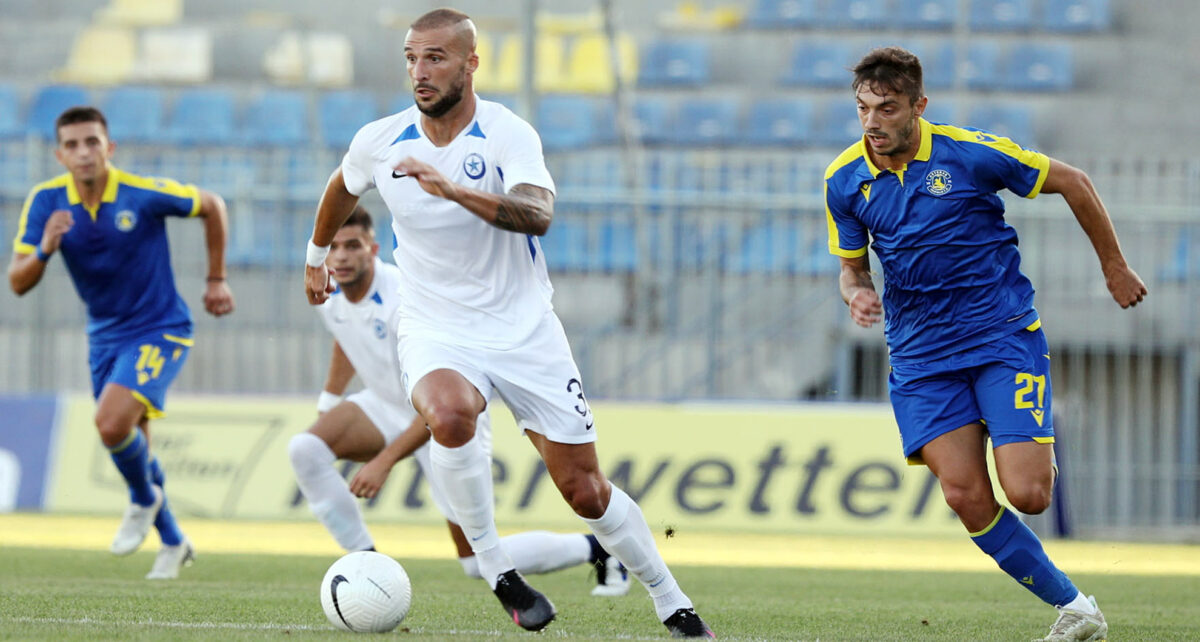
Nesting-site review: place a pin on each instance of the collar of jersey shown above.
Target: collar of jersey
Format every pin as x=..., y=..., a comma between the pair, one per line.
x=109, y=195
x=924, y=150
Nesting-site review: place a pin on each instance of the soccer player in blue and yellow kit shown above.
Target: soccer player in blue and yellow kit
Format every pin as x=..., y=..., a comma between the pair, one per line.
x=110, y=227
x=969, y=360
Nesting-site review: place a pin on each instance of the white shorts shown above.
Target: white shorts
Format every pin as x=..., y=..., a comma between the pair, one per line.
x=538, y=380
x=392, y=419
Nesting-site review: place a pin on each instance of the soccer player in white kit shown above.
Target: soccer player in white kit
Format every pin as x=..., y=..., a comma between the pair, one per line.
x=469, y=194
x=379, y=426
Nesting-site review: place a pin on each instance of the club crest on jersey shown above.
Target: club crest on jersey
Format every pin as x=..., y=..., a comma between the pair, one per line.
x=125, y=220
x=474, y=166
x=938, y=182
x=380, y=329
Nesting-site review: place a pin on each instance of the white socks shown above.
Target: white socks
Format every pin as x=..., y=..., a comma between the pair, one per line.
x=535, y=552
x=623, y=532
x=1081, y=604
x=328, y=495
x=465, y=475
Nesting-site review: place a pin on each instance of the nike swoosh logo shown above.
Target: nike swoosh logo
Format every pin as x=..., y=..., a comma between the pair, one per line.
x=333, y=589
x=395, y=175
x=589, y=426
x=476, y=539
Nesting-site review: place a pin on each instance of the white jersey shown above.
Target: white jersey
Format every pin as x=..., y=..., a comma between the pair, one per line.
x=463, y=279
x=366, y=331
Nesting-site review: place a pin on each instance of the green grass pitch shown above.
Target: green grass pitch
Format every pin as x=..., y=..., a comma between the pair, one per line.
x=48, y=594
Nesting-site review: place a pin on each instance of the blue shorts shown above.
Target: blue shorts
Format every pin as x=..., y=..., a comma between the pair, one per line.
x=146, y=365
x=1004, y=385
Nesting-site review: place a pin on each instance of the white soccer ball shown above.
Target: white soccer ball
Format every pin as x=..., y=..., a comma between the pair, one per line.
x=366, y=592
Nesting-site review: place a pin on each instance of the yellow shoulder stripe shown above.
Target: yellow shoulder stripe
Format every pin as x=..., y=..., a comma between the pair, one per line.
x=1036, y=160
x=849, y=155
x=164, y=186
x=58, y=181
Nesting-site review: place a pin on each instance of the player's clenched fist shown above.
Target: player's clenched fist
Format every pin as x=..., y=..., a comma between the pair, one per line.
x=317, y=284
x=59, y=223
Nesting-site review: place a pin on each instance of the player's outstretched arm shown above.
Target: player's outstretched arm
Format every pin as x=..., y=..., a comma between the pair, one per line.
x=26, y=270
x=858, y=291
x=1076, y=187
x=332, y=211
x=370, y=478
x=526, y=209
x=218, y=298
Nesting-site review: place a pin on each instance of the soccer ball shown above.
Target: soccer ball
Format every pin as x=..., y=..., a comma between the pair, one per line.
x=366, y=592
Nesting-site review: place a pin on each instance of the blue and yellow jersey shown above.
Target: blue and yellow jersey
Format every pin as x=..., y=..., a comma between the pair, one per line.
x=117, y=254
x=951, y=270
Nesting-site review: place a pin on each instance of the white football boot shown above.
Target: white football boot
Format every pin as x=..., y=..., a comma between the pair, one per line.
x=1075, y=626
x=170, y=559
x=136, y=524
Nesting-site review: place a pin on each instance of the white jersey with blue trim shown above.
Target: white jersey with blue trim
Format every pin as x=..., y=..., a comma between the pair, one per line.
x=462, y=279
x=366, y=331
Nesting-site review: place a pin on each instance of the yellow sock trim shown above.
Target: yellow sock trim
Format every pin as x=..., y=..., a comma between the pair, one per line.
x=124, y=442
x=990, y=526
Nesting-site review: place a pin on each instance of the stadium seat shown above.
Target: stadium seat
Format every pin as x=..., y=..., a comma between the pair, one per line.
x=1010, y=120
x=926, y=14
x=175, y=54
x=942, y=110
x=100, y=56
x=618, y=246
x=550, y=72
x=500, y=63
x=566, y=121
x=705, y=121
x=681, y=63
x=982, y=70
x=767, y=248
x=1183, y=263
x=654, y=118
x=203, y=117
x=277, y=117
x=48, y=103
x=1001, y=15
x=837, y=124
x=589, y=67
x=779, y=121
x=566, y=246
x=938, y=63
x=1040, y=67
x=820, y=64
x=135, y=114
x=856, y=14
x=141, y=13
x=340, y=114
x=10, y=113
x=1077, y=16
x=783, y=14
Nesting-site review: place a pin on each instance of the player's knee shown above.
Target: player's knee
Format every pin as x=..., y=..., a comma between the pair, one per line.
x=113, y=428
x=964, y=499
x=1031, y=499
x=451, y=425
x=583, y=494
x=308, y=452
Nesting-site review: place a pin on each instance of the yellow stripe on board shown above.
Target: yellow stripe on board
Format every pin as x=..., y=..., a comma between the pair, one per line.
x=683, y=548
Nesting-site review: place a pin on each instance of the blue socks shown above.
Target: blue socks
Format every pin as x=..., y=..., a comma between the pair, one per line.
x=1020, y=554
x=164, y=522
x=131, y=457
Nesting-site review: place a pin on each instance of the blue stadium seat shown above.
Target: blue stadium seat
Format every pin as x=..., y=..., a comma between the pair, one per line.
x=706, y=121
x=837, y=123
x=566, y=246
x=779, y=121
x=938, y=63
x=135, y=114
x=820, y=64
x=942, y=110
x=277, y=117
x=1010, y=120
x=983, y=65
x=856, y=14
x=341, y=113
x=1001, y=15
x=682, y=63
x=1077, y=16
x=10, y=113
x=1183, y=264
x=203, y=117
x=926, y=14
x=772, y=247
x=48, y=103
x=566, y=121
x=654, y=118
x=618, y=246
x=1040, y=67
x=783, y=14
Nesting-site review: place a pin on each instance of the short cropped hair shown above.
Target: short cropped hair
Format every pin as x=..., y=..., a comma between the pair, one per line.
x=890, y=70
x=438, y=18
x=80, y=114
x=361, y=217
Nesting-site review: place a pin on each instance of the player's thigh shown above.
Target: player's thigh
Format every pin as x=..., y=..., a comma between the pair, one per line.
x=541, y=385
x=147, y=366
x=349, y=432
x=929, y=404
x=436, y=374
x=1014, y=390
x=1025, y=469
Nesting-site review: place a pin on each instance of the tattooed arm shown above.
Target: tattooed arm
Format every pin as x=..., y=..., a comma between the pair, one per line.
x=526, y=209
